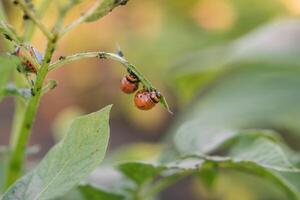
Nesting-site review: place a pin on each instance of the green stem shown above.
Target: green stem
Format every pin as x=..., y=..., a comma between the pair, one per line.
x=15, y=164
x=20, y=82
x=99, y=10
x=147, y=84
x=79, y=21
x=103, y=55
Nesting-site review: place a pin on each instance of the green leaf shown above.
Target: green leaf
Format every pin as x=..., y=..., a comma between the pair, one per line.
x=266, y=153
x=165, y=104
x=196, y=138
x=140, y=173
x=291, y=180
x=260, y=146
x=259, y=152
x=93, y=193
x=193, y=165
x=80, y=152
x=104, y=8
x=134, y=152
x=257, y=86
x=214, y=162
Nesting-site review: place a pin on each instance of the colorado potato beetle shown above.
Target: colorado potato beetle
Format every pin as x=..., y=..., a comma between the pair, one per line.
x=26, y=65
x=146, y=100
x=129, y=83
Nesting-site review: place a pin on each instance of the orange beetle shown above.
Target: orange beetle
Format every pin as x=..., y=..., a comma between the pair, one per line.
x=129, y=83
x=27, y=66
x=146, y=100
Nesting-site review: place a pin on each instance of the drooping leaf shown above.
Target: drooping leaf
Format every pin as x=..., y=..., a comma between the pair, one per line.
x=82, y=149
x=165, y=104
x=196, y=138
x=258, y=152
x=195, y=164
x=104, y=8
x=267, y=153
x=260, y=146
x=291, y=180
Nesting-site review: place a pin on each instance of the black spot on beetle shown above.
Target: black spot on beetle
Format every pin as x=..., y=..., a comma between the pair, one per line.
x=48, y=60
x=15, y=2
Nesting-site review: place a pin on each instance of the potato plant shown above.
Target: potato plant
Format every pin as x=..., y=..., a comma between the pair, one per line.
x=201, y=148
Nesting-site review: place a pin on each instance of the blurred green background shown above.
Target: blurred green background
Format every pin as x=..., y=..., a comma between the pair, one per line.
x=224, y=63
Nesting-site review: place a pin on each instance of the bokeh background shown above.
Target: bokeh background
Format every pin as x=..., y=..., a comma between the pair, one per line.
x=224, y=62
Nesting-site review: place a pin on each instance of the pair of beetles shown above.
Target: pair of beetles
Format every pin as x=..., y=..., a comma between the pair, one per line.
x=144, y=99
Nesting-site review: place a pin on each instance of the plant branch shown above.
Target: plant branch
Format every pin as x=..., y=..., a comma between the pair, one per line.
x=103, y=55
x=78, y=21
x=15, y=164
x=35, y=19
x=99, y=10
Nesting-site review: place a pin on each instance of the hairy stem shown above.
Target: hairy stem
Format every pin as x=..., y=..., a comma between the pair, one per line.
x=103, y=55
x=78, y=21
x=17, y=155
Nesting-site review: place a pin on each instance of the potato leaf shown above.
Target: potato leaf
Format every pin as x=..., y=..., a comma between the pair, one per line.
x=80, y=152
x=196, y=138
